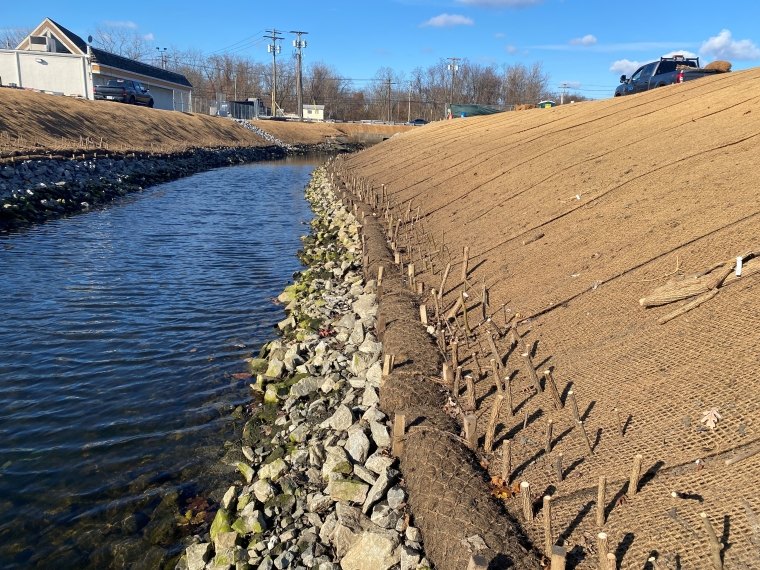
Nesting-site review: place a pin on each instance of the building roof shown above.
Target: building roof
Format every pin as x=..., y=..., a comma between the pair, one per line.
x=109, y=59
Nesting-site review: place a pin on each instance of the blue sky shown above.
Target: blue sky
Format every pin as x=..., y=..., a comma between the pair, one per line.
x=586, y=44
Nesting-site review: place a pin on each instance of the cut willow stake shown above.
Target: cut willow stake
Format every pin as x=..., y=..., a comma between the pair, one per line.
x=464, y=314
x=491, y=430
x=548, y=444
x=443, y=281
x=611, y=561
x=494, y=350
x=434, y=295
x=420, y=287
x=470, y=403
x=715, y=546
x=574, y=405
x=423, y=314
x=496, y=379
x=454, y=353
x=457, y=381
x=621, y=433
x=602, y=549
x=388, y=362
x=465, y=263
x=525, y=353
x=399, y=432
x=380, y=272
x=547, y=513
x=506, y=460
x=551, y=386
x=410, y=275
x=558, y=467
x=601, y=500
x=447, y=375
x=558, y=558
x=454, y=311
x=471, y=430
x=586, y=440
x=527, y=503
x=633, y=484
x=508, y=394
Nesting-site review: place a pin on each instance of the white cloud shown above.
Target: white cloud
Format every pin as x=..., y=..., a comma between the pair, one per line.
x=121, y=24
x=625, y=66
x=500, y=3
x=587, y=40
x=500, y=35
x=149, y=37
x=511, y=49
x=447, y=21
x=723, y=46
x=683, y=52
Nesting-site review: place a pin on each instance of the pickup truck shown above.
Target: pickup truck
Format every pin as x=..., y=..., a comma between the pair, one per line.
x=124, y=90
x=666, y=71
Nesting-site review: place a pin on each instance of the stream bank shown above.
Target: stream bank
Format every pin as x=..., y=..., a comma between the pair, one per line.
x=319, y=487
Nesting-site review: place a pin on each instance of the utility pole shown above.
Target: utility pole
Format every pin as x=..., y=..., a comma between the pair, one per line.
x=453, y=67
x=389, y=98
x=162, y=56
x=409, y=105
x=562, y=94
x=274, y=49
x=299, y=45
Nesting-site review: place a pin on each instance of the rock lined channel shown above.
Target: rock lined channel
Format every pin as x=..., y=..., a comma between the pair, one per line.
x=35, y=190
x=319, y=487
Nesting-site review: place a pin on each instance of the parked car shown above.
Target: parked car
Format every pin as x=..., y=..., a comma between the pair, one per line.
x=666, y=71
x=418, y=122
x=125, y=91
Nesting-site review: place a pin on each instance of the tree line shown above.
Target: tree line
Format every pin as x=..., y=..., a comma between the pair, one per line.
x=388, y=95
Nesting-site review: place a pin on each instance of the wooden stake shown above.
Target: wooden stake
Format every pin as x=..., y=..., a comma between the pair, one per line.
x=399, y=432
x=506, y=460
x=601, y=501
x=464, y=314
x=586, y=440
x=410, y=275
x=388, y=362
x=454, y=311
x=621, y=433
x=548, y=445
x=558, y=467
x=573, y=405
x=465, y=263
x=454, y=354
x=508, y=394
x=457, y=381
x=380, y=273
x=447, y=375
x=715, y=546
x=442, y=289
x=547, y=512
x=470, y=402
x=420, y=287
x=494, y=350
x=551, y=386
x=633, y=484
x=496, y=379
x=611, y=561
x=491, y=429
x=527, y=503
x=602, y=549
x=423, y=314
x=558, y=558
x=470, y=430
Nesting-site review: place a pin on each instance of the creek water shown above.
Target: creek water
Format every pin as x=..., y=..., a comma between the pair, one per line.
x=123, y=333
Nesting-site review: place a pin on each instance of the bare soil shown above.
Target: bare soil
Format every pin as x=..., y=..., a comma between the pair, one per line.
x=571, y=215
x=32, y=122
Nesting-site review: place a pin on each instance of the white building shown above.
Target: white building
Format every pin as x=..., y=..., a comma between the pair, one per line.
x=56, y=60
x=314, y=112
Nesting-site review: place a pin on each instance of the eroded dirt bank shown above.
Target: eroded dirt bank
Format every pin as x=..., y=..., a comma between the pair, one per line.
x=568, y=217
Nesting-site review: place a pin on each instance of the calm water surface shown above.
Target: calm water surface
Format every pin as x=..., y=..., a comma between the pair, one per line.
x=122, y=335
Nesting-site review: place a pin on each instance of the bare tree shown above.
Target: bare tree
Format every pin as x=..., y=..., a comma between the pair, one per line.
x=126, y=42
x=11, y=37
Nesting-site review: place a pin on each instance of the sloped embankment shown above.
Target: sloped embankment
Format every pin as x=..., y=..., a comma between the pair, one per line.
x=570, y=216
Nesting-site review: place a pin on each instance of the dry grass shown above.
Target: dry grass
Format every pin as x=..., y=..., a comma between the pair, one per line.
x=33, y=122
